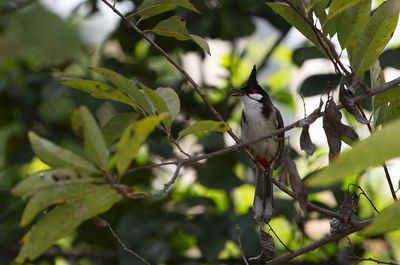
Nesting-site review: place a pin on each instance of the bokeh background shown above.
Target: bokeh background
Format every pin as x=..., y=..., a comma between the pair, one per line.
x=42, y=41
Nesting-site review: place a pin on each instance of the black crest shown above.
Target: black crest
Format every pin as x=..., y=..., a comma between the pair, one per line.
x=252, y=81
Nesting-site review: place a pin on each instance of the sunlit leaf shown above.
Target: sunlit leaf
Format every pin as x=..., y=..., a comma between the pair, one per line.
x=387, y=220
x=98, y=90
x=95, y=145
x=150, y=8
x=132, y=138
x=171, y=99
x=65, y=218
x=125, y=85
x=159, y=105
x=356, y=16
x=296, y=20
x=338, y=6
x=376, y=35
x=113, y=129
x=204, y=126
x=57, y=156
x=385, y=146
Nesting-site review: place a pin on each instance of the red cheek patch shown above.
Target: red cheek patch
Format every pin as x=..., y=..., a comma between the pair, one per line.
x=254, y=91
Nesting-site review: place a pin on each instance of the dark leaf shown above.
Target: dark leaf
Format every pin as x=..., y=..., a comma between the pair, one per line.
x=335, y=129
x=347, y=99
x=305, y=141
x=289, y=167
x=348, y=206
x=306, y=53
x=267, y=245
x=318, y=84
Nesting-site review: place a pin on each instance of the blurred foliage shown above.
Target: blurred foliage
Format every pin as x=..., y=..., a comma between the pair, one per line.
x=195, y=222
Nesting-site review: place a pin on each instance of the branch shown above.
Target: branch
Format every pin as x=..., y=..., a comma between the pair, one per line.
x=122, y=243
x=318, y=243
x=176, y=65
x=240, y=244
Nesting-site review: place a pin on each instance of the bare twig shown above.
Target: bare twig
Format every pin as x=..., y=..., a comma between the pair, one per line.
x=283, y=244
x=318, y=243
x=123, y=245
x=240, y=244
x=366, y=196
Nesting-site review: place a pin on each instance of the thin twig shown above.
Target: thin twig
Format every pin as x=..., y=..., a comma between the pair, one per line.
x=123, y=245
x=176, y=65
x=283, y=244
x=318, y=243
x=240, y=244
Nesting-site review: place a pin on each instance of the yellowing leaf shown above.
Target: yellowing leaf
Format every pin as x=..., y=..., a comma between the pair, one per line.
x=132, y=138
x=98, y=90
x=204, y=126
x=125, y=85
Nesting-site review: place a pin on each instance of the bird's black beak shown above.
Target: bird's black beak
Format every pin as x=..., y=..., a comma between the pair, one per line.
x=237, y=92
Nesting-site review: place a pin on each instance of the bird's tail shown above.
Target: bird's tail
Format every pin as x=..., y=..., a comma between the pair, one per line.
x=263, y=205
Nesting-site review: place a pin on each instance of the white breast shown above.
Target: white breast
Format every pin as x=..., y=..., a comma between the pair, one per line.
x=257, y=126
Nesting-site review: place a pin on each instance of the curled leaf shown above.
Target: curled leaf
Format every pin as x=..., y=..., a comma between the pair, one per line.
x=347, y=99
x=348, y=206
x=289, y=168
x=335, y=129
x=305, y=141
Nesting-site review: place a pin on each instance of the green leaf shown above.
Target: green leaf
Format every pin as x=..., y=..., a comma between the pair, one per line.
x=386, y=145
x=98, y=90
x=204, y=126
x=51, y=196
x=95, y=145
x=387, y=220
x=376, y=35
x=132, y=138
x=65, y=218
x=297, y=21
x=386, y=104
x=356, y=16
x=318, y=84
x=57, y=156
x=51, y=178
x=338, y=6
x=171, y=100
x=113, y=129
x=159, y=105
x=174, y=26
x=150, y=8
x=125, y=85
x=201, y=42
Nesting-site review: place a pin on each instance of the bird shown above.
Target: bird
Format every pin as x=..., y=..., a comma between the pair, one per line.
x=260, y=117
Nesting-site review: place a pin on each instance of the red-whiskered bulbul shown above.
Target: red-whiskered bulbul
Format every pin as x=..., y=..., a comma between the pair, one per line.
x=260, y=117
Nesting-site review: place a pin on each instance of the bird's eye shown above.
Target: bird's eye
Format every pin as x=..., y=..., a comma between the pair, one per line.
x=254, y=91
